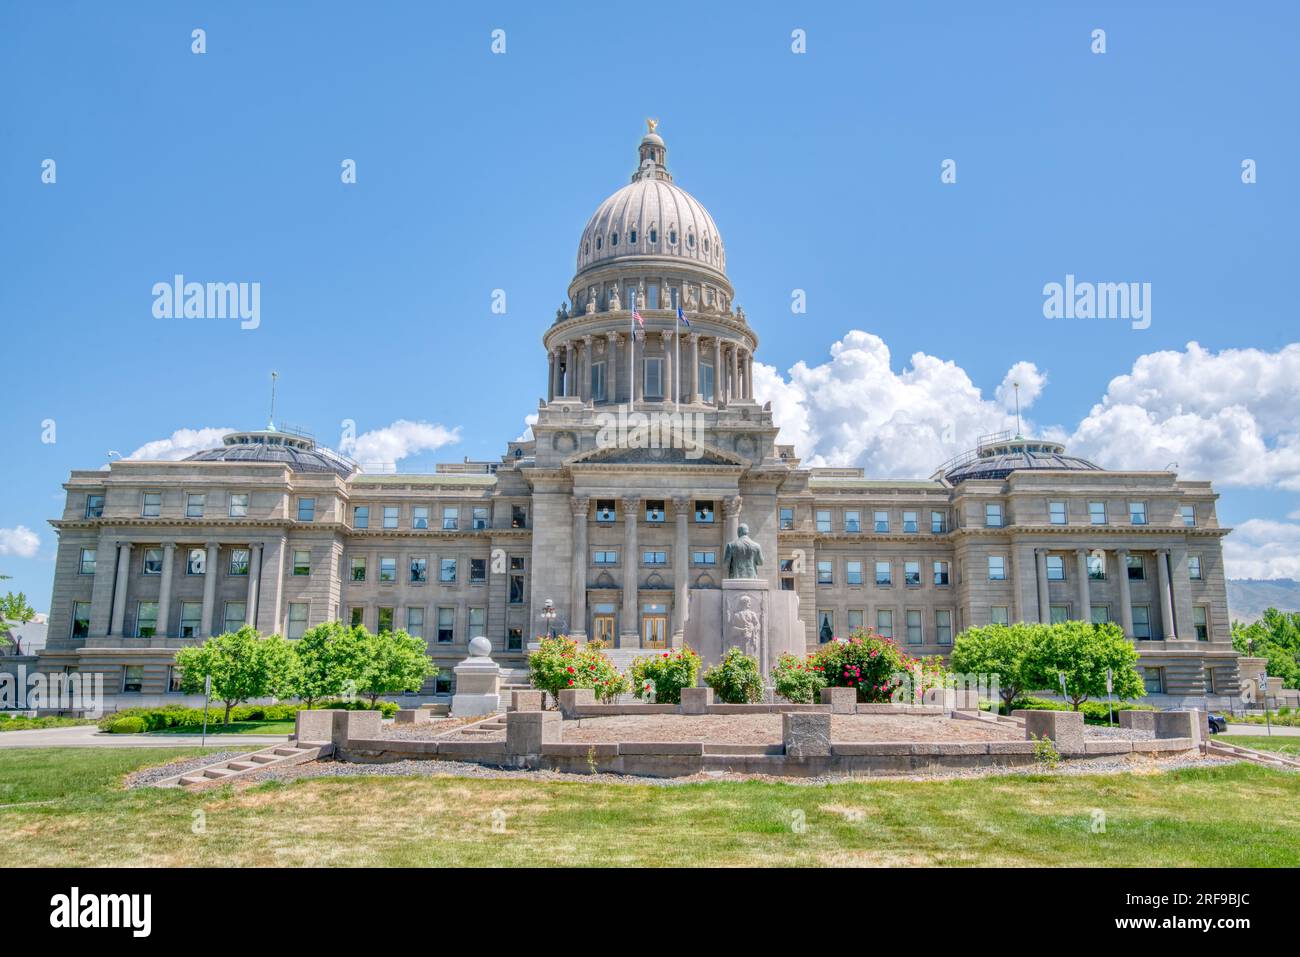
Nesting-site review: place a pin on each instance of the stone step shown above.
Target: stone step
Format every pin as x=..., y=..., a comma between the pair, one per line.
x=217, y=772
x=243, y=765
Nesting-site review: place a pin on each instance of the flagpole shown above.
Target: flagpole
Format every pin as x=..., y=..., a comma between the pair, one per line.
x=631, y=356
x=677, y=362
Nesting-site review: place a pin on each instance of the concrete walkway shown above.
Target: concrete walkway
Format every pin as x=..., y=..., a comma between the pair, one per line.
x=1279, y=731
x=89, y=736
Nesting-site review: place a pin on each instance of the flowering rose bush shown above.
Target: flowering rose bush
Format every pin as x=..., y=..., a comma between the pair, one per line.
x=668, y=671
x=736, y=678
x=798, y=680
x=864, y=661
x=560, y=663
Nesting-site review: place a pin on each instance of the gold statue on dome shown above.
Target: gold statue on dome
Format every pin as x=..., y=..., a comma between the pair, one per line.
x=650, y=125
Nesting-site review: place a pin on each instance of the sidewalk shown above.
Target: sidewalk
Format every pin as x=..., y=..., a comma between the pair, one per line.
x=1279, y=731
x=89, y=736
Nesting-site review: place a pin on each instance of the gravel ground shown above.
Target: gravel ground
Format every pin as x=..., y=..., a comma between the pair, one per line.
x=1117, y=734
x=424, y=732
x=147, y=776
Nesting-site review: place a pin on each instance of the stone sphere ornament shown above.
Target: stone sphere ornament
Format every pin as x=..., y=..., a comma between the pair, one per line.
x=480, y=647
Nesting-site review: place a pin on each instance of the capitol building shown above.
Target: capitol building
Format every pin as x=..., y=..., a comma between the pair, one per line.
x=572, y=532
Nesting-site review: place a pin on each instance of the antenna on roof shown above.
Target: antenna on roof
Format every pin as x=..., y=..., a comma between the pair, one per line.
x=1019, y=434
x=270, y=425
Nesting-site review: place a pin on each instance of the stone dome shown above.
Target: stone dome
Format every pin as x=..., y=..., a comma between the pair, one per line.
x=294, y=449
x=999, y=455
x=652, y=217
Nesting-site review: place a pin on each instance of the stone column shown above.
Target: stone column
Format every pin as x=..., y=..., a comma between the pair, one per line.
x=731, y=522
x=578, y=601
x=611, y=367
x=630, y=630
x=584, y=382
x=1167, y=628
x=254, y=578
x=1044, y=595
x=694, y=384
x=638, y=381
x=165, y=590
x=681, y=568
x=749, y=375
x=209, y=588
x=669, y=392
x=1125, y=593
x=631, y=369
x=550, y=376
x=718, y=376
x=568, y=369
x=123, y=572
x=1085, y=598
x=734, y=392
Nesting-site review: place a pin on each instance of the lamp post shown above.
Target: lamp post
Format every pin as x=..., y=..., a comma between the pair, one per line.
x=548, y=615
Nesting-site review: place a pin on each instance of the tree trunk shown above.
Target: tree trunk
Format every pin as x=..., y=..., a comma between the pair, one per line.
x=229, y=705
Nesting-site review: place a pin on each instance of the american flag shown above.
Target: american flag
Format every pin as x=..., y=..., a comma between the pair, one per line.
x=681, y=317
x=636, y=313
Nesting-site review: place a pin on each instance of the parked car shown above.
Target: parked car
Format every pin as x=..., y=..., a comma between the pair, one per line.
x=1218, y=723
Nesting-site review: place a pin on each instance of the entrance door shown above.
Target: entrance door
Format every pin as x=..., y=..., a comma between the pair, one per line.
x=654, y=631
x=603, y=628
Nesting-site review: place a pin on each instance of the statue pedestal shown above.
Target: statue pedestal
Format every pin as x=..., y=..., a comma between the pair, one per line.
x=747, y=614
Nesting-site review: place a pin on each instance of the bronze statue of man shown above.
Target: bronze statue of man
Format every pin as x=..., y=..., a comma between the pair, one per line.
x=743, y=556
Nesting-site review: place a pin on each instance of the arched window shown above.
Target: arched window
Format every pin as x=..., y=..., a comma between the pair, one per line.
x=631, y=236
x=690, y=240
x=613, y=238
x=586, y=249
x=706, y=245
x=597, y=244
x=672, y=236
x=654, y=235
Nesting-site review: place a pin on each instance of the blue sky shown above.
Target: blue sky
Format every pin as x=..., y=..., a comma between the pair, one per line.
x=478, y=171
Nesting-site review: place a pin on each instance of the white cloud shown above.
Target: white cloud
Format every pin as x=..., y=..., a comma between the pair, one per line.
x=20, y=542
x=181, y=444
x=1262, y=548
x=529, y=421
x=395, y=442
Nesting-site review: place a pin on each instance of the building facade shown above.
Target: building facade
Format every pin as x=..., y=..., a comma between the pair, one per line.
x=649, y=450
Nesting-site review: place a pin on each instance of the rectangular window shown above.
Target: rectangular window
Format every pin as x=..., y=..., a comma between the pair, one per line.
x=415, y=622
x=704, y=556
x=297, y=624
x=1136, y=570
x=997, y=568
x=518, y=516
x=998, y=615
x=1100, y=614
x=358, y=566
x=598, y=381
x=852, y=520
x=419, y=570
x=477, y=571
x=854, y=620
x=1097, y=567
x=1201, y=622
x=704, y=513
x=514, y=639
x=1097, y=513
x=132, y=679
x=1059, y=614
x=881, y=521
x=517, y=589
x=477, y=622
x=442, y=685
x=654, y=511
x=94, y=506
x=910, y=525
x=914, y=633
x=450, y=518
x=1055, y=568
x=787, y=518
x=479, y=518
x=387, y=569
x=306, y=510
x=1188, y=512
x=447, y=570
x=825, y=626
x=420, y=517
x=196, y=561
x=385, y=620
x=706, y=382
x=194, y=503
x=606, y=511
x=153, y=561
x=941, y=573
x=911, y=574
x=938, y=523
x=361, y=516
x=446, y=625
x=993, y=515
x=390, y=516
x=239, y=562
x=191, y=618
x=651, y=557
x=823, y=520
x=238, y=505
x=86, y=563
x=152, y=507
x=1194, y=567
x=302, y=561
x=80, y=619
x=853, y=573
x=1154, y=680
x=358, y=616
x=174, y=679
x=234, y=616
x=1056, y=513
x=1142, y=622
x=943, y=627
x=883, y=573
x=885, y=623
x=1137, y=513
x=825, y=575
x=654, y=378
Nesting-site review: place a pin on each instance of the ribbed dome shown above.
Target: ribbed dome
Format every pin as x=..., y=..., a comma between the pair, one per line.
x=297, y=451
x=1000, y=457
x=652, y=216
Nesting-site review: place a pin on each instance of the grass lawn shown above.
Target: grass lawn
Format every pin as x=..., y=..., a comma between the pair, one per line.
x=235, y=727
x=39, y=724
x=1240, y=815
x=1286, y=745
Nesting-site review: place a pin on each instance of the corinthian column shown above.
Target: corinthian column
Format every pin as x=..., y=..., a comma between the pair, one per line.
x=611, y=367
x=731, y=521
x=1167, y=628
x=734, y=391
x=123, y=571
x=629, y=632
x=1085, y=598
x=578, y=602
x=209, y=588
x=254, y=578
x=718, y=374
x=165, y=590
x=569, y=369
x=694, y=395
x=681, y=568
x=1044, y=595
x=669, y=392
x=1125, y=593
x=550, y=376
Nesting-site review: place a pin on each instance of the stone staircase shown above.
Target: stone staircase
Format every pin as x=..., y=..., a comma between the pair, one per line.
x=276, y=756
x=1266, y=758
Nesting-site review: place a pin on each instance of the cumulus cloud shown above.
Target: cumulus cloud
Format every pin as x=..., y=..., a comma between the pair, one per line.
x=400, y=440
x=180, y=444
x=1262, y=548
x=20, y=541
x=529, y=421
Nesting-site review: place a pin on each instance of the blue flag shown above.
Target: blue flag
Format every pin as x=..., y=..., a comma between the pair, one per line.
x=681, y=317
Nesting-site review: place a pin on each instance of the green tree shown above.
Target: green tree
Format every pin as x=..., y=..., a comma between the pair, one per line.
x=393, y=661
x=14, y=611
x=330, y=657
x=1082, y=652
x=242, y=664
x=1275, y=636
x=996, y=650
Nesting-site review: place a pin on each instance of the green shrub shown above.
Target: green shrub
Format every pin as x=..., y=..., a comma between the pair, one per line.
x=1094, y=712
x=864, y=661
x=798, y=680
x=666, y=674
x=128, y=725
x=559, y=663
x=736, y=679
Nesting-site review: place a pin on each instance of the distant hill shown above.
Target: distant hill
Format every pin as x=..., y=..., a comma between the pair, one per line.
x=1248, y=597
